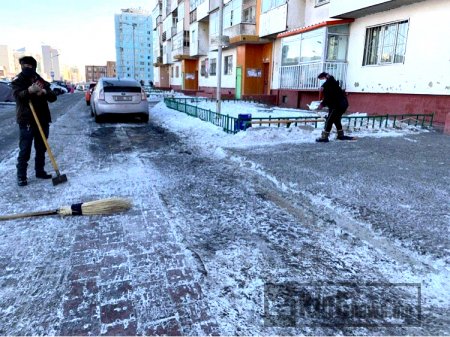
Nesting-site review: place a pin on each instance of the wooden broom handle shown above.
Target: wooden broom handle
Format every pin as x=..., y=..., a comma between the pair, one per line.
x=26, y=215
x=50, y=153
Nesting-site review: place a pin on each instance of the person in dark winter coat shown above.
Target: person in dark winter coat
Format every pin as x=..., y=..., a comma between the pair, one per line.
x=28, y=86
x=334, y=98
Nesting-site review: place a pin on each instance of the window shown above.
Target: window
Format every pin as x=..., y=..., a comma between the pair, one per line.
x=322, y=2
x=204, y=68
x=232, y=13
x=214, y=24
x=386, y=44
x=228, y=66
x=290, y=52
x=212, y=67
x=270, y=4
x=337, y=43
x=177, y=72
x=312, y=46
x=306, y=47
x=248, y=15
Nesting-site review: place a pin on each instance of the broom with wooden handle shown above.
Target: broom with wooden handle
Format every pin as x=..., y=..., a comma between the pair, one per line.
x=96, y=207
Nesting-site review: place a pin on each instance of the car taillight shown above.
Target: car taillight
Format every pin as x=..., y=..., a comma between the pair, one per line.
x=101, y=95
x=143, y=95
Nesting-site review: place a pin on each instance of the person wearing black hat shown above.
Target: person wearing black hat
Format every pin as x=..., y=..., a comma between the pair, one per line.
x=333, y=98
x=29, y=86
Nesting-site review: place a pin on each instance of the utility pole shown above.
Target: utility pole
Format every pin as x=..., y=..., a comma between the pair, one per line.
x=219, y=59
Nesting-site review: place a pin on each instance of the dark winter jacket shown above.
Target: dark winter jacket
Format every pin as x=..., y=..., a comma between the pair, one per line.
x=23, y=112
x=333, y=95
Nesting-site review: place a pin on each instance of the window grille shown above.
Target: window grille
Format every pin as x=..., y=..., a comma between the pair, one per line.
x=386, y=44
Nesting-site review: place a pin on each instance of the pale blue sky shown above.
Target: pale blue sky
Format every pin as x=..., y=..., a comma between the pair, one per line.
x=81, y=30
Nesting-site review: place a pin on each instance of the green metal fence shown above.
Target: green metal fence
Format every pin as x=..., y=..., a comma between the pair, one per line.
x=233, y=124
x=227, y=123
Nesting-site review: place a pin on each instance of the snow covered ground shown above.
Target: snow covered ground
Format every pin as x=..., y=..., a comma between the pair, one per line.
x=216, y=217
x=211, y=136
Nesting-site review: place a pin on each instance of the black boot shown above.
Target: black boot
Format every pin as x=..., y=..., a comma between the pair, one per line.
x=43, y=175
x=22, y=181
x=341, y=136
x=22, y=175
x=323, y=138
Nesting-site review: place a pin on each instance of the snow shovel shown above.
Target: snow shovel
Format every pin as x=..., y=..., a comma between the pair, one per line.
x=60, y=178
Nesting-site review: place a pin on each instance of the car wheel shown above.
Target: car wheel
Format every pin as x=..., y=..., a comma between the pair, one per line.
x=144, y=118
x=97, y=118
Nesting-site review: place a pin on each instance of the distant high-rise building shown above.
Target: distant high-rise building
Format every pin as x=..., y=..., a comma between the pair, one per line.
x=134, y=58
x=7, y=62
x=50, y=59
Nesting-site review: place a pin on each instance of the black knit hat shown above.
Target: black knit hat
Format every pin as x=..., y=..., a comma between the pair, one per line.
x=28, y=60
x=324, y=74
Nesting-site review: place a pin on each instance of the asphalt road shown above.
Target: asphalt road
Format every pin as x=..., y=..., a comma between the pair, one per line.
x=10, y=130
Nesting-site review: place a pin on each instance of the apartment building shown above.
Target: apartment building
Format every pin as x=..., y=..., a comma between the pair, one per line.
x=275, y=49
x=93, y=73
x=134, y=58
x=399, y=58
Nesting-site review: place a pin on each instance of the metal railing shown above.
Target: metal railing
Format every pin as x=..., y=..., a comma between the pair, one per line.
x=394, y=121
x=304, y=76
x=227, y=123
x=233, y=125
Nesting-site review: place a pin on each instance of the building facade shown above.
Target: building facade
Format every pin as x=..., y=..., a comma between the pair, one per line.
x=274, y=49
x=50, y=62
x=134, y=58
x=93, y=73
x=7, y=68
x=111, y=69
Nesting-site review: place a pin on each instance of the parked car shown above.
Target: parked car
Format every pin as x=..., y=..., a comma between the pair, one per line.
x=88, y=93
x=61, y=84
x=114, y=96
x=57, y=89
x=6, y=92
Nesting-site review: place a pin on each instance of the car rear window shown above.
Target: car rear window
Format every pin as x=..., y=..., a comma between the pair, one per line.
x=121, y=89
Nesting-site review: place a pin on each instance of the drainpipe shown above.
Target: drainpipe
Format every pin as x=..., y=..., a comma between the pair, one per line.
x=219, y=58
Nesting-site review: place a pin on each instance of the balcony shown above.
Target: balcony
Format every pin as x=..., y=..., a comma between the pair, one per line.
x=180, y=47
x=181, y=53
x=214, y=4
x=158, y=61
x=164, y=36
x=357, y=9
x=304, y=76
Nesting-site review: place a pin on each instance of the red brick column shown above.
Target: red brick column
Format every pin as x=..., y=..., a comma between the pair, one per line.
x=447, y=124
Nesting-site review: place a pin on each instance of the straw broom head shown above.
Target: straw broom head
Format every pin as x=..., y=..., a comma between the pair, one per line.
x=104, y=206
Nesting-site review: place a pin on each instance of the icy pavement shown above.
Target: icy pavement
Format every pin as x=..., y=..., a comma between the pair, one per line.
x=215, y=218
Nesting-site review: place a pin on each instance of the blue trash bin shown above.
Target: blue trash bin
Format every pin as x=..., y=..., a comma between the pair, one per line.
x=242, y=123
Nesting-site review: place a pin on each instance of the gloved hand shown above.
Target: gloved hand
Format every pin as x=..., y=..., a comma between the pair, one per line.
x=34, y=88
